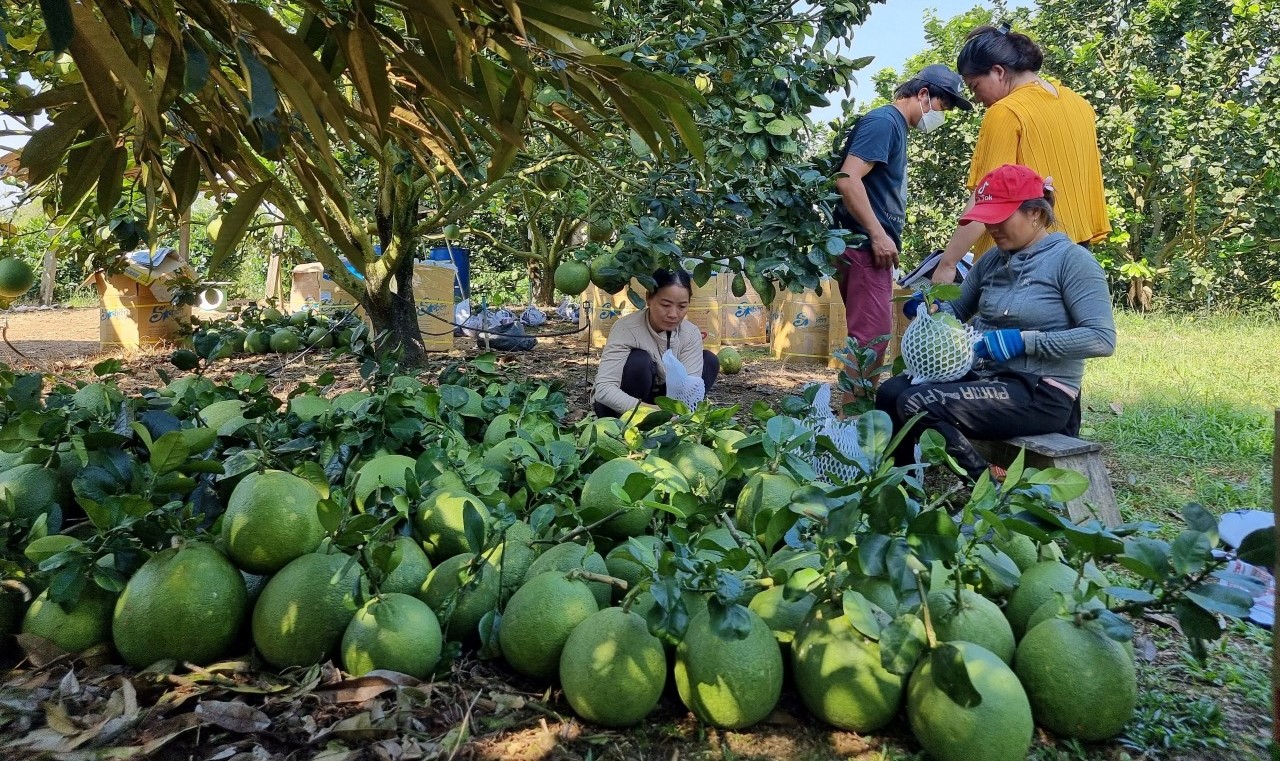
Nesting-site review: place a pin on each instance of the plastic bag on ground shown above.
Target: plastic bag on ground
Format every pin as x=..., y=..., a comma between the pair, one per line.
x=511, y=338
x=567, y=310
x=532, y=316
x=486, y=320
x=461, y=313
x=682, y=386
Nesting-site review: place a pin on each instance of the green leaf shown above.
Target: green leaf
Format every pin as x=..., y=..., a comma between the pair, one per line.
x=1200, y=519
x=43, y=154
x=262, y=90
x=801, y=583
x=1191, y=552
x=1064, y=485
x=901, y=644
x=730, y=622
x=1196, y=622
x=539, y=476
x=368, y=69
x=473, y=526
x=235, y=223
x=1148, y=558
x=196, y=75
x=858, y=610
x=1093, y=539
x=952, y=675
x=1259, y=548
x=1219, y=598
x=313, y=473
x=185, y=179
x=169, y=452
x=330, y=514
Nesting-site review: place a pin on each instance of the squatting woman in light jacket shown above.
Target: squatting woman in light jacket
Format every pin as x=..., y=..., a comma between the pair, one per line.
x=631, y=370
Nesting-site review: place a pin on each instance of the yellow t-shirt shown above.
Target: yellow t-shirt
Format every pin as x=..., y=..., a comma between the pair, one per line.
x=1055, y=135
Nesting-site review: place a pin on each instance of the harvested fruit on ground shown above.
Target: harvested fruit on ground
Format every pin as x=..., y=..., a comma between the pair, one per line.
x=271, y=520
x=397, y=632
x=612, y=669
x=538, y=620
x=184, y=604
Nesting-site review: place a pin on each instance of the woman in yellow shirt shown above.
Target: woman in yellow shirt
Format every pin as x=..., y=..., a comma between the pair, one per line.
x=1035, y=123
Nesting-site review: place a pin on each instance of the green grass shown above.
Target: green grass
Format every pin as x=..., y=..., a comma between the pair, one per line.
x=1185, y=407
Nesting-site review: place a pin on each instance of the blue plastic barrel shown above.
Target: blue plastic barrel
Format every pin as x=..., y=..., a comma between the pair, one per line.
x=461, y=258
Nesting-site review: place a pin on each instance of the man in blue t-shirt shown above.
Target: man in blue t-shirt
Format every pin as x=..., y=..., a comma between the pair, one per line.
x=874, y=195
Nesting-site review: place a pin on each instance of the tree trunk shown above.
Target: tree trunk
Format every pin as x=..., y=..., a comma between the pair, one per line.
x=542, y=282
x=394, y=311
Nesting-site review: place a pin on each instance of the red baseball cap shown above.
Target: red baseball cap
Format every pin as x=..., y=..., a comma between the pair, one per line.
x=999, y=194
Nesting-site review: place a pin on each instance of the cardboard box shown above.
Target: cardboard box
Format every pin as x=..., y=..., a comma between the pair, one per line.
x=137, y=308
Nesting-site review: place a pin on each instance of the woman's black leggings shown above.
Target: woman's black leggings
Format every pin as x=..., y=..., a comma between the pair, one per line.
x=640, y=378
x=989, y=408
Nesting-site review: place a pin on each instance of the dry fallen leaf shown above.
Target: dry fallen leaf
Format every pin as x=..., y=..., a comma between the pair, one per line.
x=232, y=716
x=1117, y=408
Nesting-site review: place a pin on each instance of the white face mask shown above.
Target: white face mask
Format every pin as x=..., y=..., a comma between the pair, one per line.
x=931, y=119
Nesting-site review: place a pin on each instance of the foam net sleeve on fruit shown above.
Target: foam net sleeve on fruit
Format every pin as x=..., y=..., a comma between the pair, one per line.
x=937, y=349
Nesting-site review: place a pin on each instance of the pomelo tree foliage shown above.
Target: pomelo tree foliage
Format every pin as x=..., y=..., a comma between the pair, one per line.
x=758, y=199
x=347, y=118
x=1187, y=98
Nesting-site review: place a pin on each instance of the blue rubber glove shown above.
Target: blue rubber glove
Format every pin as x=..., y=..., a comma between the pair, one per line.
x=911, y=307
x=1000, y=345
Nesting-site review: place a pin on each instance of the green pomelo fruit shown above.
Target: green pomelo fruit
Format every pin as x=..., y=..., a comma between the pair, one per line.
x=598, y=501
x=603, y=439
x=973, y=619
x=783, y=616
x=623, y=565
x=441, y=522
x=501, y=458
x=1038, y=584
x=461, y=595
x=572, y=277
x=1056, y=608
x=730, y=360
x=566, y=557
x=538, y=619
x=762, y=496
x=1081, y=683
x=309, y=407
x=257, y=342
x=284, y=341
x=384, y=470
x=271, y=520
x=320, y=337
x=702, y=468
x=16, y=277
x=393, y=631
x=999, y=728
x=839, y=675
x=183, y=604
x=514, y=556
x=1020, y=548
x=612, y=669
x=29, y=490
x=727, y=683
x=600, y=230
x=411, y=570
x=272, y=315
x=724, y=443
x=304, y=610
x=300, y=319
x=537, y=429
x=76, y=626
x=609, y=284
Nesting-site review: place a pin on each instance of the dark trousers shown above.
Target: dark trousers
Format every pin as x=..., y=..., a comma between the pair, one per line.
x=987, y=408
x=640, y=379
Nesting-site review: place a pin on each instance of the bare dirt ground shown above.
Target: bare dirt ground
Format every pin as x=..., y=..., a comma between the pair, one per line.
x=65, y=341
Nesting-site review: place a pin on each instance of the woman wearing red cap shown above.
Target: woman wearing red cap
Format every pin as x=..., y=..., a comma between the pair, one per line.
x=1041, y=304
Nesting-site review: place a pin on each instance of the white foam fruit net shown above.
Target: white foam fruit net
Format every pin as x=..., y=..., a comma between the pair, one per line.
x=682, y=386
x=937, y=348
x=841, y=432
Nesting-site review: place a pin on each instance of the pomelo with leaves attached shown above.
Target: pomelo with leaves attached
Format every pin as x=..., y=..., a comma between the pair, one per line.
x=393, y=631
x=461, y=591
x=284, y=341
x=998, y=728
x=1080, y=682
x=1038, y=584
x=441, y=523
x=572, y=277
x=608, y=283
x=600, y=230
x=566, y=557
x=973, y=618
x=839, y=674
x=74, y=626
x=388, y=470
x=598, y=501
x=551, y=179
x=538, y=620
x=729, y=683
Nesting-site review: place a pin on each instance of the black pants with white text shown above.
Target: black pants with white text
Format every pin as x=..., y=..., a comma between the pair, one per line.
x=989, y=408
